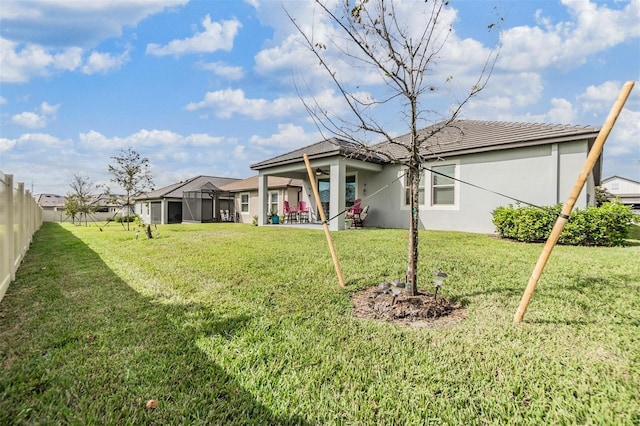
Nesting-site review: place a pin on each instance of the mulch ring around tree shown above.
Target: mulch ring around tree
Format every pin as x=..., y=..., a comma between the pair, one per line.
x=423, y=310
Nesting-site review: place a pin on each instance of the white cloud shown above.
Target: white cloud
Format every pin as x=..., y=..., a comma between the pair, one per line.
x=48, y=109
x=3, y=100
x=226, y=103
x=288, y=136
x=561, y=112
x=43, y=36
x=73, y=23
x=36, y=120
x=18, y=65
x=216, y=36
x=42, y=139
x=624, y=139
x=593, y=29
x=30, y=120
x=103, y=62
x=148, y=138
x=223, y=70
x=600, y=98
x=239, y=153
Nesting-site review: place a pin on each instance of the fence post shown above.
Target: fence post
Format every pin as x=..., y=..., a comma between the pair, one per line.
x=11, y=252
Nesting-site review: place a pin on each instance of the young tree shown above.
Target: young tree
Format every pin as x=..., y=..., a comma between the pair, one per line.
x=132, y=173
x=396, y=45
x=79, y=200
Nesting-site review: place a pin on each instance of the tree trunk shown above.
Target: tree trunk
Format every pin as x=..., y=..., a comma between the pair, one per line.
x=412, y=261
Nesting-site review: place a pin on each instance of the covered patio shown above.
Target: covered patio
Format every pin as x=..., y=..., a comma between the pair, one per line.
x=338, y=167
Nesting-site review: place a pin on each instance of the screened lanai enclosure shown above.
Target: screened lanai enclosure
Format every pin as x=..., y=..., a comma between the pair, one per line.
x=208, y=205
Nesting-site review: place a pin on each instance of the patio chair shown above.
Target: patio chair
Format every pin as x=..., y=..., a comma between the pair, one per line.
x=303, y=211
x=290, y=214
x=355, y=209
x=358, y=220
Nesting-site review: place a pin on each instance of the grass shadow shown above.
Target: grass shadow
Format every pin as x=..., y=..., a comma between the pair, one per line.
x=79, y=346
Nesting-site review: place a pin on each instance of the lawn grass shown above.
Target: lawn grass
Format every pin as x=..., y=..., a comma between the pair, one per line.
x=234, y=324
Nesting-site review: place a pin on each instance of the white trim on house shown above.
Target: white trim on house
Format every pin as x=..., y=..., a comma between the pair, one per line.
x=243, y=203
x=431, y=178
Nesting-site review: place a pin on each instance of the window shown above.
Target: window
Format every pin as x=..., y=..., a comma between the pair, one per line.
x=407, y=189
x=273, y=202
x=244, y=203
x=443, y=186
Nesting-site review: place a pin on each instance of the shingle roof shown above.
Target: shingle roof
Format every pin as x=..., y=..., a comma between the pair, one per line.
x=326, y=148
x=460, y=137
x=251, y=183
x=470, y=136
x=50, y=200
x=621, y=178
x=177, y=189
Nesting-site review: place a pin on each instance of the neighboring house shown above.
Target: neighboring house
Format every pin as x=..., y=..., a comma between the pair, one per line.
x=110, y=206
x=536, y=163
x=623, y=189
x=279, y=189
x=198, y=199
x=52, y=207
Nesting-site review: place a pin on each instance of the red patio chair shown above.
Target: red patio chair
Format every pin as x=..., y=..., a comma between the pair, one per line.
x=303, y=211
x=290, y=213
x=355, y=209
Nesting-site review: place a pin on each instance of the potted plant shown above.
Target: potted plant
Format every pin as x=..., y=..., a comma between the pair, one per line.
x=273, y=217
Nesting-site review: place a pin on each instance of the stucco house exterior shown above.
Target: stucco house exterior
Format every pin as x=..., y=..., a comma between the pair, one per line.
x=279, y=189
x=623, y=189
x=537, y=163
x=198, y=199
x=52, y=207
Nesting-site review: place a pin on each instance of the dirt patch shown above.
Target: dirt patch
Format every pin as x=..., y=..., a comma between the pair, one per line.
x=423, y=310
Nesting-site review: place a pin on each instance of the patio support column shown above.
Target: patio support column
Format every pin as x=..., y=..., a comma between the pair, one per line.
x=338, y=190
x=263, y=195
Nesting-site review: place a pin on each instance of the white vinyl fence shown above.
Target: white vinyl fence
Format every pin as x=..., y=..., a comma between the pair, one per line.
x=20, y=218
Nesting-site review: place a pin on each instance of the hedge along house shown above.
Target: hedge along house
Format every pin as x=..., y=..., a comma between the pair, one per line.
x=196, y=200
x=537, y=163
x=279, y=190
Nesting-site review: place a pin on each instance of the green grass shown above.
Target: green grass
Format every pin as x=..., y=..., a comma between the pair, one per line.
x=234, y=324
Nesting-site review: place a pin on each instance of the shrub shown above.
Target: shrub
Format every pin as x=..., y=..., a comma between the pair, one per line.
x=125, y=219
x=607, y=225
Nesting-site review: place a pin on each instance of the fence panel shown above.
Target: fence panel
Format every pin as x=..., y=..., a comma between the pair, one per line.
x=20, y=218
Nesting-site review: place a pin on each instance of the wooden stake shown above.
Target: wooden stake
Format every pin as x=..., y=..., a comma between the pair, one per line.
x=594, y=153
x=332, y=249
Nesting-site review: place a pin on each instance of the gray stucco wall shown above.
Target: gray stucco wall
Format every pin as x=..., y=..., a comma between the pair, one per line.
x=542, y=175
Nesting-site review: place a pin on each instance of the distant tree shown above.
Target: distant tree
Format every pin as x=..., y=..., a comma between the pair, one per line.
x=132, y=173
x=374, y=39
x=80, y=199
x=71, y=207
x=602, y=196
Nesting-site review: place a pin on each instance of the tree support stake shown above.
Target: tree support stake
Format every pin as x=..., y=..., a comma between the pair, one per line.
x=325, y=225
x=594, y=153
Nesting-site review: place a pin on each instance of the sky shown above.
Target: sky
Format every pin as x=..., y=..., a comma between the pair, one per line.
x=205, y=87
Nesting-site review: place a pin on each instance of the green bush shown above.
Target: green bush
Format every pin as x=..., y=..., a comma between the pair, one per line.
x=607, y=225
x=125, y=219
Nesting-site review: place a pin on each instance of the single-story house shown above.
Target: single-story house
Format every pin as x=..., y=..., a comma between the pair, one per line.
x=198, y=199
x=536, y=163
x=279, y=190
x=623, y=189
x=52, y=207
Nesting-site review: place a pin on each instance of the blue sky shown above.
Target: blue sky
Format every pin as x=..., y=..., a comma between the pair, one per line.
x=210, y=87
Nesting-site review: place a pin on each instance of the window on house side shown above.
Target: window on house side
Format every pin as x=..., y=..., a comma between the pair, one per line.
x=273, y=202
x=443, y=187
x=407, y=189
x=244, y=203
